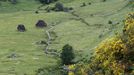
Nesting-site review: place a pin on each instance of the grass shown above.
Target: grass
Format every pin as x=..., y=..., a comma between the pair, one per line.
x=31, y=56
x=83, y=37
x=22, y=5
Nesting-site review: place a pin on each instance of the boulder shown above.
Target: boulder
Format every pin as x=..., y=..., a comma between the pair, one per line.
x=21, y=28
x=41, y=24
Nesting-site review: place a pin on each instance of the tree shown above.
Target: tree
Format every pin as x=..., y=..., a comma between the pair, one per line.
x=67, y=55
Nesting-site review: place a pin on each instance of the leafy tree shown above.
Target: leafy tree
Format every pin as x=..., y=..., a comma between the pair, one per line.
x=67, y=54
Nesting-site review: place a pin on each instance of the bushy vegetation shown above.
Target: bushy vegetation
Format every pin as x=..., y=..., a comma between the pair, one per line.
x=47, y=1
x=67, y=55
x=59, y=7
x=69, y=28
x=114, y=56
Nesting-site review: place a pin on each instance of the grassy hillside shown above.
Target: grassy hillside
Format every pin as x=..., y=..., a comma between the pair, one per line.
x=85, y=37
x=69, y=29
x=113, y=56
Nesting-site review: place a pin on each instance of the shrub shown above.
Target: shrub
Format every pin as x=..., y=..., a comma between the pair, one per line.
x=89, y=3
x=67, y=55
x=103, y=0
x=110, y=22
x=59, y=7
x=47, y=1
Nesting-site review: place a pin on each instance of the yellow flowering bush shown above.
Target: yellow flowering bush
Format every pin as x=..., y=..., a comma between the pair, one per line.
x=77, y=70
x=72, y=69
x=114, y=56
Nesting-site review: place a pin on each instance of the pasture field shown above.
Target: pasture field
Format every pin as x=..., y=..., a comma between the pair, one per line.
x=69, y=29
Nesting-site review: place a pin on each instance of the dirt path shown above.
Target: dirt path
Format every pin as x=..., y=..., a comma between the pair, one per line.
x=49, y=40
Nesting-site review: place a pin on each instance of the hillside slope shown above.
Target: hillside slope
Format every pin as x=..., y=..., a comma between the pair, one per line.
x=113, y=56
x=84, y=32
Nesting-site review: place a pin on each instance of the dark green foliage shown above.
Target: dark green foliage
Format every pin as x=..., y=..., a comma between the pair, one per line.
x=130, y=56
x=89, y=3
x=47, y=1
x=21, y=28
x=118, y=56
x=67, y=55
x=36, y=12
x=128, y=69
x=103, y=0
x=110, y=22
x=59, y=7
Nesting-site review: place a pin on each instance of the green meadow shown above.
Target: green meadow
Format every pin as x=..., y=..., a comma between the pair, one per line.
x=30, y=56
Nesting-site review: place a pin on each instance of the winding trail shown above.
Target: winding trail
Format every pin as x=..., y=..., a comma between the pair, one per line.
x=49, y=40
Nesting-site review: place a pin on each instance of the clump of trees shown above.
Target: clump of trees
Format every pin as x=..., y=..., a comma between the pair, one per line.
x=103, y=0
x=58, y=7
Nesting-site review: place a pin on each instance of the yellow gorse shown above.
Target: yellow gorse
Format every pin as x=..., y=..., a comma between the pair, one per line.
x=111, y=55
